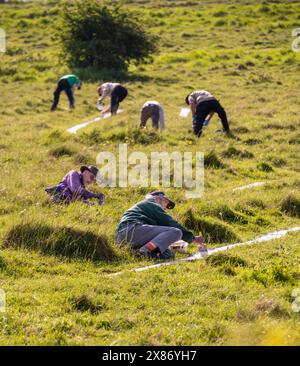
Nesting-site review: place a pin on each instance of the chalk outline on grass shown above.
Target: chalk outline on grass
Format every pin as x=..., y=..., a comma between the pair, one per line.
x=75, y=128
x=267, y=237
x=255, y=184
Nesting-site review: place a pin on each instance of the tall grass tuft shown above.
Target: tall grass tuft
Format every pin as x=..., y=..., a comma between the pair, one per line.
x=60, y=241
x=211, y=160
x=291, y=205
x=212, y=230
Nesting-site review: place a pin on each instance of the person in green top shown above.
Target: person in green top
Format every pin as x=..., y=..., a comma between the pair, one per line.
x=66, y=83
x=150, y=230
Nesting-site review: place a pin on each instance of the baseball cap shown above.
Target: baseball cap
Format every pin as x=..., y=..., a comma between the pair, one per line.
x=170, y=205
x=93, y=169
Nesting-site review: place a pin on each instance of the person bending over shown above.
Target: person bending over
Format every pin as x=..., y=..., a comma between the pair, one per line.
x=67, y=84
x=117, y=94
x=153, y=110
x=203, y=105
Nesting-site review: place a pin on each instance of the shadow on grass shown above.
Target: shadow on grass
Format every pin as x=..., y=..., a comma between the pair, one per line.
x=60, y=241
x=91, y=74
x=212, y=230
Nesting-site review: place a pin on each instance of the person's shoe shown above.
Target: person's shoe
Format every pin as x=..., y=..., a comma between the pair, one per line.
x=223, y=131
x=149, y=254
x=167, y=255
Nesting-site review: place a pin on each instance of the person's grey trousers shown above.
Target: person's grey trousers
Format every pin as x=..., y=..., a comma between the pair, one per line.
x=150, y=111
x=138, y=235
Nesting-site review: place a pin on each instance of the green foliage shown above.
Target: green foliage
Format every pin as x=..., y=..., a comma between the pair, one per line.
x=103, y=37
x=192, y=303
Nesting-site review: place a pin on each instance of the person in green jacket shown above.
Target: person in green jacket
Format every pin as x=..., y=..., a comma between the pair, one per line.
x=150, y=230
x=66, y=83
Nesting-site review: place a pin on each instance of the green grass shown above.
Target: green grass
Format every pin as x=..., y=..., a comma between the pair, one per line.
x=57, y=262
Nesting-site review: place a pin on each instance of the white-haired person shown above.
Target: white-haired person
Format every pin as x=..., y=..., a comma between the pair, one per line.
x=150, y=230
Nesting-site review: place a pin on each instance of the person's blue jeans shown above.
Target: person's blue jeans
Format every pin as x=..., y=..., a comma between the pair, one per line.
x=63, y=85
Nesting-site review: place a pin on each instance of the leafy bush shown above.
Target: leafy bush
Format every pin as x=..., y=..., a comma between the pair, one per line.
x=103, y=37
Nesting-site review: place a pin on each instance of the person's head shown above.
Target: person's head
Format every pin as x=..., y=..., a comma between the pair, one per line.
x=89, y=174
x=99, y=91
x=161, y=198
x=187, y=99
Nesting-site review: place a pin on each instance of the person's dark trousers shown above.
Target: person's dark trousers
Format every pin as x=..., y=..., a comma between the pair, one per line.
x=204, y=109
x=63, y=85
x=118, y=94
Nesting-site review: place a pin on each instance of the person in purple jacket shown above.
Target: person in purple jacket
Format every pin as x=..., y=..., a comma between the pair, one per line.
x=73, y=186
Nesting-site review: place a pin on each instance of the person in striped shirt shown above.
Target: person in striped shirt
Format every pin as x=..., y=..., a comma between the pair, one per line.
x=203, y=105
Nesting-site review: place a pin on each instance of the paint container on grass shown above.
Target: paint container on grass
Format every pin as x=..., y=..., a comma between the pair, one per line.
x=179, y=246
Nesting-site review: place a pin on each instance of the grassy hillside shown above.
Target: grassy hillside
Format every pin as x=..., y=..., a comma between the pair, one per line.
x=56, y=262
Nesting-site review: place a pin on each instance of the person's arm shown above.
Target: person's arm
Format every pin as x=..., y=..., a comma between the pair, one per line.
x=193, y=108
x=105, y=110
x=166, y=220
x=78, y=191
x=161, y=119
x=210, y=116
x=103, y=92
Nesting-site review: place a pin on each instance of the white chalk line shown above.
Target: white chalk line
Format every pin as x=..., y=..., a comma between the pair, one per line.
x=74, y=129
x=268, y=237
x=256, y=184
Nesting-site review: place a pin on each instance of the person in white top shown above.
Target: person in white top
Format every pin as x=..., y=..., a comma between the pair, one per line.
x=203, y=105
x=117, y=94
x=152, y=109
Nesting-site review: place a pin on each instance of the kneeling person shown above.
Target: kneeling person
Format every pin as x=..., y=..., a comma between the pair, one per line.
x=150, y=230
x=73, y=186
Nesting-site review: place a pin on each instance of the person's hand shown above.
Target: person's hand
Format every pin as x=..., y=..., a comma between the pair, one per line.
x=101, y=199
x=206, y=122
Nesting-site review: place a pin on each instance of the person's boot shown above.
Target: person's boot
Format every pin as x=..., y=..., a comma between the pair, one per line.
x=147, y=252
